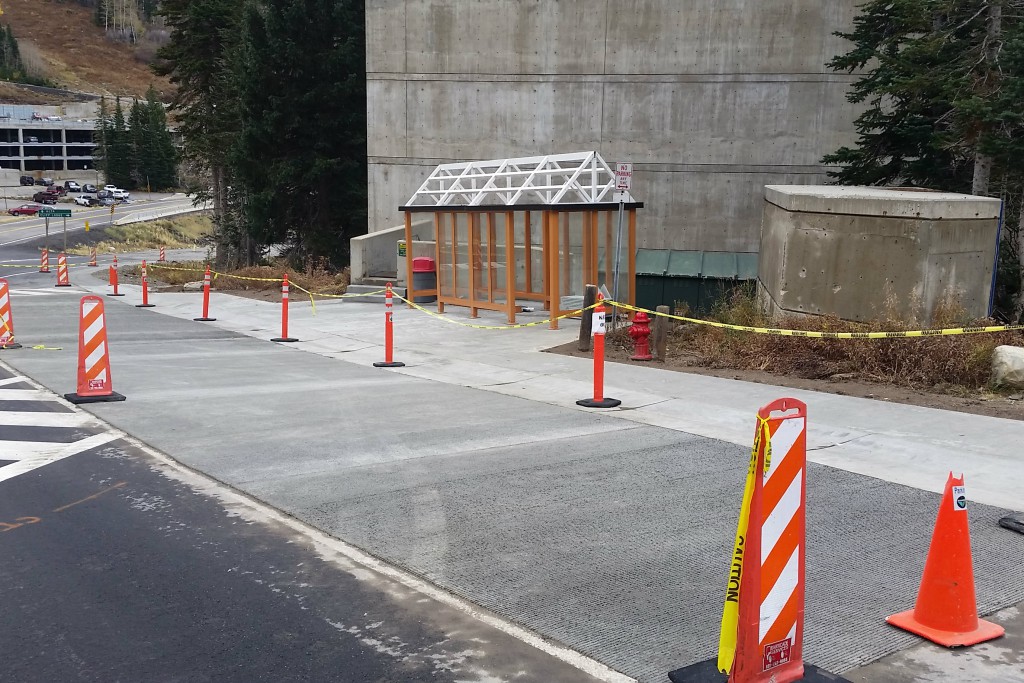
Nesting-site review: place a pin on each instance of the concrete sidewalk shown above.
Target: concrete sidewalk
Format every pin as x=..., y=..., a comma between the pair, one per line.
x=473, y=467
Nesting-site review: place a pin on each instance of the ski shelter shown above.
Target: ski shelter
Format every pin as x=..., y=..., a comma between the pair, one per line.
x=514, y=231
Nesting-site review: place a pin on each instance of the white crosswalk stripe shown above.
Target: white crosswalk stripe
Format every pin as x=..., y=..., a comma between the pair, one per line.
x=18, y=421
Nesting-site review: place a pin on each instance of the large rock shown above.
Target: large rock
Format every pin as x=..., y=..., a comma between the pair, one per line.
x=1008, y=367
x=198, y=286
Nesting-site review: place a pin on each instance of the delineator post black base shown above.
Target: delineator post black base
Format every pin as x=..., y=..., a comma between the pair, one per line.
x=284, y=339
x=67, y=285
x=707, y=672
x=603, y=403
x=1013, y=523
x=144, y=305
x=109, y=398
x=396, y=364
x=10, y=347
x=204, y=320
x=112, y=294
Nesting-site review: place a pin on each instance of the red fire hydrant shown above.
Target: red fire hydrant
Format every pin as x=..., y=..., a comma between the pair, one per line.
x=640, y=331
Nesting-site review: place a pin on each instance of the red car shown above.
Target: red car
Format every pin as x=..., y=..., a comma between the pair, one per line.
x=25, y=210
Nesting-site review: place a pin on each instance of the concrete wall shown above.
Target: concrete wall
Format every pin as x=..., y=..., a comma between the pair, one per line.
x=861, y=253
x=711, y=99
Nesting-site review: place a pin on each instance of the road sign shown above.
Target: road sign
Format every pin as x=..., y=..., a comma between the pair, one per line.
x=623, y=176
x=55, y=213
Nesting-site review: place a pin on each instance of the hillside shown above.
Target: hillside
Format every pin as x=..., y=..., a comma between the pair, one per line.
x=61, y=40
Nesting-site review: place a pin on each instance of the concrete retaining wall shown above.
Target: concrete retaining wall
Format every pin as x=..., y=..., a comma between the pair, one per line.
x=711, y=99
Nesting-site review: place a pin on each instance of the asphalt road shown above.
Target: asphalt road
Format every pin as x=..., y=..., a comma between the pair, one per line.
x=19, y=230
x=120, y=566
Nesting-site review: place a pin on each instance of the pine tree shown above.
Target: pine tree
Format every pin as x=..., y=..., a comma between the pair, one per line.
x=139, y=136
x=205, y=103
x=942, y=108
x=301, y=154
x=118, y=162
x=161, y=155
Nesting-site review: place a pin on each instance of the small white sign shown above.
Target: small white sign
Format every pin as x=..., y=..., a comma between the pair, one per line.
x=959, y=497
x=623, y=176
x=597, y=324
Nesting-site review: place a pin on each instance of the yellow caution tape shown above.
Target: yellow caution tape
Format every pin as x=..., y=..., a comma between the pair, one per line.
x=40, y=347
x=945, y=332
x=571, y=314
x=731, y=611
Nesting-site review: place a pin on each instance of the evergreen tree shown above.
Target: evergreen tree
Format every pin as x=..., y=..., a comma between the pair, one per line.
x=101, y=138
x=205, y=103
x=301, y=154
x=118, y=162
x=939, y=83
x=139, y=136
x=161, y=157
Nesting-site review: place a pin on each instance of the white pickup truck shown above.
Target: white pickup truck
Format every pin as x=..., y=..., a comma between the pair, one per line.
x=116, y=193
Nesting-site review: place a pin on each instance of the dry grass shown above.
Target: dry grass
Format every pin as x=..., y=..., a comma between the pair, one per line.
x=314, y=277
x=949, y=363
x=180, y=232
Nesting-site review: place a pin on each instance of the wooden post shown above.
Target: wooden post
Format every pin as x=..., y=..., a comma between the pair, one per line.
x=510, y=266
x=660, y=333
x=586, y=320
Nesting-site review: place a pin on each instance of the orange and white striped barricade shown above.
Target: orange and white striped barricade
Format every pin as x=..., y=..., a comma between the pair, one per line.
x=44, y=261
x=94, y=383
x=62, y=271
x=92, y=258
x=6, y=318
x=389, y=333
x=163, y=255
x=761, y=638
x=284, y=314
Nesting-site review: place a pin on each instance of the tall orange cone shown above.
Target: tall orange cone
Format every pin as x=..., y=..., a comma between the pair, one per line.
x=946, y=611
x=94, y=384
x=6, y=318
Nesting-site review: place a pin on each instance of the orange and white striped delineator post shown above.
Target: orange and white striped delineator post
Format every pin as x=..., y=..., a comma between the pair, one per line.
x=597, y=329
x=6, y=318
x=112, y=278
x=44, y=260
x=92, y=258
x=94, y=383
x=62, y=271
x=163, y=255
x=206, y=298
x=145, y=288
x=389, y=334
x=284, y=314
x=762, y=628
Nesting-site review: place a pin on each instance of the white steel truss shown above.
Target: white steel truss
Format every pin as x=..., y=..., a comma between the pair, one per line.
x=577, y=178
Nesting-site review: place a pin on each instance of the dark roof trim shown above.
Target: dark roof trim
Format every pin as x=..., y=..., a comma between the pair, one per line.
x=502, y=208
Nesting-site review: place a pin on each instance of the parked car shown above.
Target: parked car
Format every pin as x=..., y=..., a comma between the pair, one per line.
x=45, y=181
x=106, y=201
x=28, y=180
x=72, y=186
x=31, y=138
x=109, y=188
x=58, y=190
x=120, y=195
x=45, y=197
x=89, y=187
x=25, y=210
x=86, y=200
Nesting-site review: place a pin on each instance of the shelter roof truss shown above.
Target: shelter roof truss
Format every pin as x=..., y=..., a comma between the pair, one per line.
x=576, y=178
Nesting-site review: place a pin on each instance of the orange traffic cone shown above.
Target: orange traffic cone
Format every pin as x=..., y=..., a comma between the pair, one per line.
x=946, y=611
x=94, y=383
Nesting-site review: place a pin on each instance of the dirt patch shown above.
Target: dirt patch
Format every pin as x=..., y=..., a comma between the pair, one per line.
x=76, y=52
x=977, y=401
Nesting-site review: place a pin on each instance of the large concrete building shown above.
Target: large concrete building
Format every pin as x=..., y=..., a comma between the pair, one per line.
x=711, y=99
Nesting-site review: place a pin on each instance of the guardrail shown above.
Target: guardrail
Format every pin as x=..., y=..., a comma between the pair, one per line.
x=153, y=214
